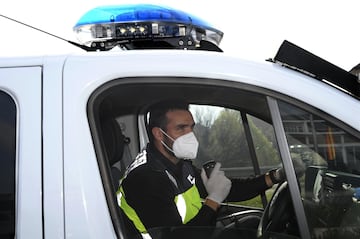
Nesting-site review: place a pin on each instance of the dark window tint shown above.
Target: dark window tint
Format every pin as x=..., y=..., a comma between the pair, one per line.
x=7, y=165
x=331, y=184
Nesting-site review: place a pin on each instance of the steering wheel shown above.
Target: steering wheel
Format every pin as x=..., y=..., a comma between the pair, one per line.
x=279, y=216
x=244, y=219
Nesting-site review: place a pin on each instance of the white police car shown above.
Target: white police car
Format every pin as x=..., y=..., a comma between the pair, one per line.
x=69, y=122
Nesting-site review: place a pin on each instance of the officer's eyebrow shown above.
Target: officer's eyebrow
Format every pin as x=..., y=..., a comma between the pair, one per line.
x=182, y=126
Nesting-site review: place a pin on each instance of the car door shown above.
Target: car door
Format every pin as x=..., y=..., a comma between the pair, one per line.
x=320, y=155
x=245, y=95
x=21, y=152
x=233, y=126
x=329, y=188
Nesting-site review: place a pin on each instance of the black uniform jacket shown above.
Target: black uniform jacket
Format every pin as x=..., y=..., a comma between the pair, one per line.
x=150, y=191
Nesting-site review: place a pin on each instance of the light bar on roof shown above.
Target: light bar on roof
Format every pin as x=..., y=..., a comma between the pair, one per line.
x=111, y=25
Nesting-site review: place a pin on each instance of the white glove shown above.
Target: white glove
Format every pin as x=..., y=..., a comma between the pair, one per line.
x=217, y=185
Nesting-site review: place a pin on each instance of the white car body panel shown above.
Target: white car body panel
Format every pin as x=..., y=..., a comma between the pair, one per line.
x=17, y=83
x=73, y=196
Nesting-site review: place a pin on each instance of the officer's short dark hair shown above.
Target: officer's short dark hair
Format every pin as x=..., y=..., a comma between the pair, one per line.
x=157, y=113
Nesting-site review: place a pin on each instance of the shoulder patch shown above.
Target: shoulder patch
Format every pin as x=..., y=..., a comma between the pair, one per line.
x=139, y=160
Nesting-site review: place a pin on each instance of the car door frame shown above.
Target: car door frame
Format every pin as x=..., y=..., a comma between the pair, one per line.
x=24, y=85
x=289, y=168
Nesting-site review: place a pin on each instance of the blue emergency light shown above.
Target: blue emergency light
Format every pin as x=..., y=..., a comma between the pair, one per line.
x=145, y=26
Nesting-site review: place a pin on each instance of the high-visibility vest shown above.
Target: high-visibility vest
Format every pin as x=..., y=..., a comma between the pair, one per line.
x=188, y=203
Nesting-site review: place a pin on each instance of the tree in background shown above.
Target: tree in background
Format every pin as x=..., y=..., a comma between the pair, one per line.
x=222, y=138
x=264, y=141
x=227, y=140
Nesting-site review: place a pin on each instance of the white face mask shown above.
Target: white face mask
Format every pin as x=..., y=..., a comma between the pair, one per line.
x=185, y=146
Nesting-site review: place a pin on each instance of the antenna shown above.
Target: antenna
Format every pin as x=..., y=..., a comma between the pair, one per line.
x=86, y=48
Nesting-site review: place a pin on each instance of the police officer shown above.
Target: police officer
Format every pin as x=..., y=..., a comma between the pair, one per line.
x=162, y=188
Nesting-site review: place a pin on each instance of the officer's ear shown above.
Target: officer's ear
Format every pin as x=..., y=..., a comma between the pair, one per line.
x=158, y=135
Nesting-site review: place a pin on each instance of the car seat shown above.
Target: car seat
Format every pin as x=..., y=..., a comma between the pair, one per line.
x=115, y=144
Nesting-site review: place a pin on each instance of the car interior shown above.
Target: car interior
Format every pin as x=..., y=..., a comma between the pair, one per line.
x=117, y=114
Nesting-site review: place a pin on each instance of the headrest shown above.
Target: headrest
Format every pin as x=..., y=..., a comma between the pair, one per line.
x=114, y=140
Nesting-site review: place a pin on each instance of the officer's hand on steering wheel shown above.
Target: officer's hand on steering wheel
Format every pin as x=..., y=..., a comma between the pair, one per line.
x=278, y=175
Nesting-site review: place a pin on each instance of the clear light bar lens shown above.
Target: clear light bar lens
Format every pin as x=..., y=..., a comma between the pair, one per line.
x=141, y=21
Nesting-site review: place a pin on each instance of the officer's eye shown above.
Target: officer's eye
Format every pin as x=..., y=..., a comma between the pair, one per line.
x=181, y=127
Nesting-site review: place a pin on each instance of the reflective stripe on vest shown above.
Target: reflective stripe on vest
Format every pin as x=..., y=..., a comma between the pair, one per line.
x=129, y=211
x=188, y=205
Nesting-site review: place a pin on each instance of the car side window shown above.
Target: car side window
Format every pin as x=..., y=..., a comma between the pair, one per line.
x=331, y=183
x=7, y=165
x=244, y=144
